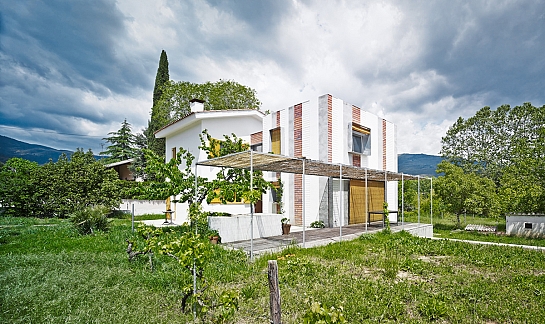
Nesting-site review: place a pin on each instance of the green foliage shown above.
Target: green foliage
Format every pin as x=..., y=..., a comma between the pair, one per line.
x=122, y=144
x=51, y=274
x=318, y=313
x=221, y=95
x=386, y=219
x=17, y=187
x=466, y=192
x=317, y=224
x=91, y=219
x=57, y=189
x=507, y=146
x=159, y=116
x=68, y=185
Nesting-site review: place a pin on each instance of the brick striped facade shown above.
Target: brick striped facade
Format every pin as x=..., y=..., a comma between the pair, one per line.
x=356, y=114
x=256, y=138
x=278, y=119
x=356, y=160
x=298, y=130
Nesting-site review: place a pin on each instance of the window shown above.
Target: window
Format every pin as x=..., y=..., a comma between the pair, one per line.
x=361, y=139
x=257, y=147
x=528, y=225
x=276, y=147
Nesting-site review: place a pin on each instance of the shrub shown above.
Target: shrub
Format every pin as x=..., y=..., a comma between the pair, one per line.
x=91, y=219
x=317, y=224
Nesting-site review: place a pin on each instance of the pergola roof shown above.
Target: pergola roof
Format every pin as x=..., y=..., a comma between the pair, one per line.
x=280, y=163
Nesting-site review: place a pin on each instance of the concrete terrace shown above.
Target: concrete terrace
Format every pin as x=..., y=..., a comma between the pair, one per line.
x=323, y=236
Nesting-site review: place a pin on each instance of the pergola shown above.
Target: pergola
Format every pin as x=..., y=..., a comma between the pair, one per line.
x=251, y=160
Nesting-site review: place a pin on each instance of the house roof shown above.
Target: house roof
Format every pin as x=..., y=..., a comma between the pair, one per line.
x=189, y=119
x=280, y=163
x=111, y=165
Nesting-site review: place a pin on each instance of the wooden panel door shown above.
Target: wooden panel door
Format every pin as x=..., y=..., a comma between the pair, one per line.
x=375, y=200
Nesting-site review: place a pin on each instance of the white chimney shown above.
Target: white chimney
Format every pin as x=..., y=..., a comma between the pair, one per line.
x=196, y=105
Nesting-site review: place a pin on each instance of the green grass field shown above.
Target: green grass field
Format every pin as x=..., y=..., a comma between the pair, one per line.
x=51, y=274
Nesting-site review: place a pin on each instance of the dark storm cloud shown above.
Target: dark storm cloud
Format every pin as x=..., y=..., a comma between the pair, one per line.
x=494, y=50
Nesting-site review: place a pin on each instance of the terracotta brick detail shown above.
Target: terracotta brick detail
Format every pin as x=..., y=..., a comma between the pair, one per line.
x=298, y=130
x=329, y=128
x=298, y=199
x=256, y=138
x=356, y=111
x=384, y=144
x=356, y=160
x=278, y=119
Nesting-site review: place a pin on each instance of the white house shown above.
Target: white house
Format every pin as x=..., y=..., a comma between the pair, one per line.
x=185, y=133
x=529, y=225
x=328, y=130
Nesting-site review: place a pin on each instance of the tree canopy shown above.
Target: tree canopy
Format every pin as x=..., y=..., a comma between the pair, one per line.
x=221, y=95
x=123, y=144
x=506, y=146
x=159, y=117
x=57, y=189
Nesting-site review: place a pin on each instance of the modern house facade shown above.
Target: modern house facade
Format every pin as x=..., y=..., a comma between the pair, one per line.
x=327, y=129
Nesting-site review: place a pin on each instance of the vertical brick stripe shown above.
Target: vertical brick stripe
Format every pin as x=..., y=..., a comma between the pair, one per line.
x=356, y=115
x=356, y=160
x=298, y=130
x=384, y=144
x=329, y=128
x=256, y=138
x=298, y=199
x=278, y=119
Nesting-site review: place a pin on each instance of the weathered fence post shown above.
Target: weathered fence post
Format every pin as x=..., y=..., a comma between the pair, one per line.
x=274, y=292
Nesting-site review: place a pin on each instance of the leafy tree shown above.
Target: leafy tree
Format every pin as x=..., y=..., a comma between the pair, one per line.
x=68, y=185
x=159, y=117
x=122, y=144
x=493, y=139
x=17, y=186
x=466, y=192
x=221, y=95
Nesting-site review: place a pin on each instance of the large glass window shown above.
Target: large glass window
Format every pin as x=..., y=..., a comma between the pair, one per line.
x=361, y=139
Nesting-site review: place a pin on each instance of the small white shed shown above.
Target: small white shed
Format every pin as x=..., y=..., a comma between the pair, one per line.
x=529, y=225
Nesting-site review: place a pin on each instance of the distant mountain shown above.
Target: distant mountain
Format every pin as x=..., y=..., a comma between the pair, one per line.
x=418, y=164
x=10, y=148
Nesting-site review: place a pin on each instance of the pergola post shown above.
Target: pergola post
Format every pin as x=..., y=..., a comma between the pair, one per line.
x=251, y=206
x=385, y=196
x=418, y=195
x=431, y=201
x=366, y=202
x=402, y=203
x=303, y=194
x=341, y=216
x=194, y=265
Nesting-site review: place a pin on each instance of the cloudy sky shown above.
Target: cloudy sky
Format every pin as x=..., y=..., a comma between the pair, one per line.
x=72, y=71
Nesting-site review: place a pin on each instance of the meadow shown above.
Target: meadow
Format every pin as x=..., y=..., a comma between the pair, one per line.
x=51, y=274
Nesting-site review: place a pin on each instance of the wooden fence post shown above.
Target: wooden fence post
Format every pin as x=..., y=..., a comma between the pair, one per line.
x=274, y=291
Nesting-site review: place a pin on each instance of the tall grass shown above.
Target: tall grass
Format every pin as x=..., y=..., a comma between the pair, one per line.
x=51, y=274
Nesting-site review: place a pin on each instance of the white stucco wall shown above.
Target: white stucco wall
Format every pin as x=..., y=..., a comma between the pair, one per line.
x=515, y=225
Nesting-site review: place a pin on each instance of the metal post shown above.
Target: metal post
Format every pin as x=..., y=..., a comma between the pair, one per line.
x=194, y=264
x=418, y=195
x=402, y=203
x=303, y=193
x=251, y=207
x=366, y=203
x=132, y=222
x=431, y=201
x=385, y=196
x=342, y=202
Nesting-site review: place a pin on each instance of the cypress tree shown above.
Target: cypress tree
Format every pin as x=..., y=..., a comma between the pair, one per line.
x=159, y=117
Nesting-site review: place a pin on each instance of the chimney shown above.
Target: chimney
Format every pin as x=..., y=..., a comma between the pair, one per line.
x=196, y=105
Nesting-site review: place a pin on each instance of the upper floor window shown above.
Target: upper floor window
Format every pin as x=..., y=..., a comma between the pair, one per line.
x=276, y=147
x=257, y=147
x=361, y=139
